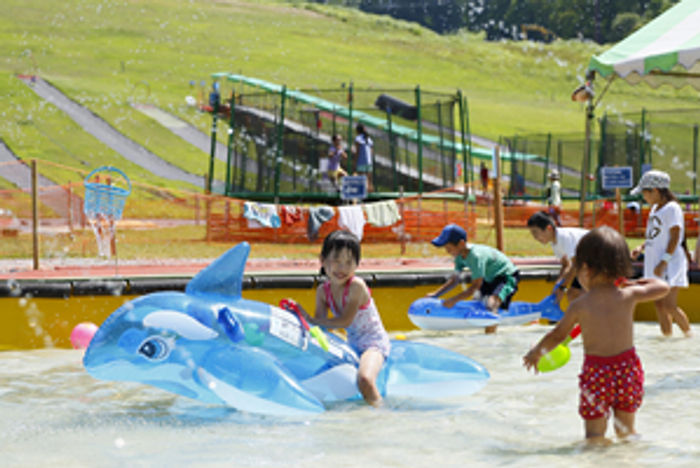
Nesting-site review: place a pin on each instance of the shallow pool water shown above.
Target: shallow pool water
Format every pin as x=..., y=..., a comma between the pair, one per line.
x=52, y=414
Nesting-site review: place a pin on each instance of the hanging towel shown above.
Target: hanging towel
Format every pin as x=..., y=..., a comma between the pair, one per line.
x=290, y=214
x=263, y=214
x=318, y=216
x=382, y=214
x=352, y=218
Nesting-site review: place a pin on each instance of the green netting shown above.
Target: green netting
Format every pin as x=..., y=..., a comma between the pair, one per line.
x=665, y=140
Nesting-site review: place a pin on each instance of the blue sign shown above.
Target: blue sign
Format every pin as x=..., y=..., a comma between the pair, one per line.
x=353, y=188
x=616, y=177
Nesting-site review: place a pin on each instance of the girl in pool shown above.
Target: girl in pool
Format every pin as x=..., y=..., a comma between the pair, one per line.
x=563, y=241
x=351, y=305
x=664, y=256
x=612, y=378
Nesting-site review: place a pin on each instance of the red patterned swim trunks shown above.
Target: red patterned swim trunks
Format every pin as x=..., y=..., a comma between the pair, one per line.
x=611, y=382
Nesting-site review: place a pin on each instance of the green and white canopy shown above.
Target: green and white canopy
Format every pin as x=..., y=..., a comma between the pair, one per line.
x=665, y=51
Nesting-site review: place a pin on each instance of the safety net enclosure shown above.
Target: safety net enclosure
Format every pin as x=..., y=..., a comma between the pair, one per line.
x=279, y=138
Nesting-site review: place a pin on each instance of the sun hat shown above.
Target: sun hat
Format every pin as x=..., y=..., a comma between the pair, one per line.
x=450, y=233
x=652, y=179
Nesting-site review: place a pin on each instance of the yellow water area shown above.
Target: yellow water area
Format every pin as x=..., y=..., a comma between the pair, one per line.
x=48, y=322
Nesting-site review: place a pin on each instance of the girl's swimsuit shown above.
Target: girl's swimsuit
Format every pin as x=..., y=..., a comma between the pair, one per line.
x=366, y=330
x=615, y=382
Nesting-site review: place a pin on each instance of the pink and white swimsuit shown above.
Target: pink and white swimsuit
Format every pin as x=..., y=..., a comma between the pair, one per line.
x=366, y=330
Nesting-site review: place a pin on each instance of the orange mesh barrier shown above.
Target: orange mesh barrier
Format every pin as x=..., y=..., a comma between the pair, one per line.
x=418, y=225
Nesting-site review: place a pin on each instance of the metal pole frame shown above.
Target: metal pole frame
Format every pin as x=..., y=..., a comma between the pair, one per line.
x=586, y=162
x=442, y=143
x=546, y=166
x=280, y=141
x=212, y=151
x=419, y=131
x=229, y=146
x=695, y=159
x=462, y=131
x=392, y=149
x=470, y=159
x=351, y=99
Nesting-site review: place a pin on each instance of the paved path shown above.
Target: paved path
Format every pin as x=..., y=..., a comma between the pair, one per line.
x=110, y=136
x=18, y=173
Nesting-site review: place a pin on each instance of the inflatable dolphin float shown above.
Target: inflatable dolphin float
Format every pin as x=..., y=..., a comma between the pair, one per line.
x=430, y=314
x=212, y=345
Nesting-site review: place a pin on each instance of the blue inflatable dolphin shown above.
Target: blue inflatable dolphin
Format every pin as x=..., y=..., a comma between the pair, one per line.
x=212, y=345
x=429, y=314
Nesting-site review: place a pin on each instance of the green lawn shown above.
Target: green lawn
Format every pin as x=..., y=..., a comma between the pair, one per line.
x=106, y=54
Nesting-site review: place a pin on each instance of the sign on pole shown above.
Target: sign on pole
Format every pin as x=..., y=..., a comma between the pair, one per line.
x=353, y=188
x=616, y=177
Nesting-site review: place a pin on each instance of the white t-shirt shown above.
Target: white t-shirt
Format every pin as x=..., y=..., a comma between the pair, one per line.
x=566, y=241
x=659, y=225
x=555, y=198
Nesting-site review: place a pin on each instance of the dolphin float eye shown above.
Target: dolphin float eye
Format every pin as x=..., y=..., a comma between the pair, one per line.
x=155, y=348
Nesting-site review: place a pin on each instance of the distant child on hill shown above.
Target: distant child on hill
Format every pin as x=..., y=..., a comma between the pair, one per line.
x=664, y=256
x=563, y=242
x=494, y=277
x=554, y=199
x=612, y=378
x=336, y=153
x=351, y=305
x=364, y=153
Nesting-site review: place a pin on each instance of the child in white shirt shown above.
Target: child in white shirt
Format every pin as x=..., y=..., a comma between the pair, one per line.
x=664, y=257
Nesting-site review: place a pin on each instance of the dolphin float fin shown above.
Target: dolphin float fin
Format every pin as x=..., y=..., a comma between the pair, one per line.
x=251, y=380
x=223, y=276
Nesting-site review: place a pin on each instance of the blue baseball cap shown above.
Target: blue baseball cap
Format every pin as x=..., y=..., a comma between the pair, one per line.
x=450, y=233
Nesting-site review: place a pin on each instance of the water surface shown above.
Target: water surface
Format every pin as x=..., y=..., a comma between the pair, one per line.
x=52, y=414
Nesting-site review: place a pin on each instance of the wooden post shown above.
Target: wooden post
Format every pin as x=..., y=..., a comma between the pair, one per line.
x=70, y=207
x=620, y=212
x=35, y=216
x=497, y=200
x=403, y=222
x=196, y=210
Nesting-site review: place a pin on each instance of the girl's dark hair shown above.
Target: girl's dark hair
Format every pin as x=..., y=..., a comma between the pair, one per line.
x=337, y=241
x=604, y=251
x=361, y=129
x=541, y=220
x=667, y=194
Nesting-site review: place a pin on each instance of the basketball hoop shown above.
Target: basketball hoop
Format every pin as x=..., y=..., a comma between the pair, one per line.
x=104, y=204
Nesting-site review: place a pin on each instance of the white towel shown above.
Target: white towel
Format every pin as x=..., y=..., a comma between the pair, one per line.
x=352, y=218
x=382, y=214
x=259, y=214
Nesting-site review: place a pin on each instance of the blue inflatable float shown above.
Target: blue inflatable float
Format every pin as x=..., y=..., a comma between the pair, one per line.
x=430, y=314
x=212, y=345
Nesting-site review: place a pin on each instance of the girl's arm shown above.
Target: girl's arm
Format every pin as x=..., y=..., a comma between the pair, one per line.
x=357, y=295
x=321, y=309
x=674, y=237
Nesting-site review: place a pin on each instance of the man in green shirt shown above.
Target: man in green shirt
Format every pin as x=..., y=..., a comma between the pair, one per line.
x=494, y=276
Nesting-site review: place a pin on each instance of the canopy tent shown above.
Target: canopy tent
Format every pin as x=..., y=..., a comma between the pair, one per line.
x=665, y=51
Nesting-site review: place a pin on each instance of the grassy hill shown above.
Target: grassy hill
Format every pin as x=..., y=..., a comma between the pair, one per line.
x=104, y=53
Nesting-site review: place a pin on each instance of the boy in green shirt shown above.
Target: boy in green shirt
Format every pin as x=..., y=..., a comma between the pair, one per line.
x=494, y=276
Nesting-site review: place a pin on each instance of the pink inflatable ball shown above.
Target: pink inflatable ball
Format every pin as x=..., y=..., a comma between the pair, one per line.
x=82, y=334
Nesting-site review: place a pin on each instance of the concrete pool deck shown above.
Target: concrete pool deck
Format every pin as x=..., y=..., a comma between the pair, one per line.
x=22, y=270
